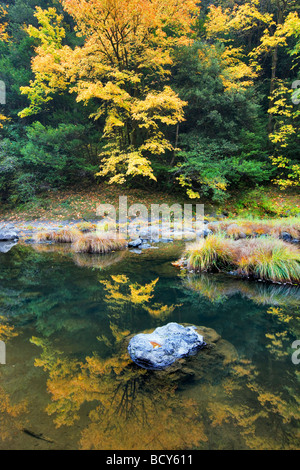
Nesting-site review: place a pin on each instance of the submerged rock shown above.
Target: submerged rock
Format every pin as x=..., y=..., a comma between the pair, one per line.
x=164, y=345
x=136, y=251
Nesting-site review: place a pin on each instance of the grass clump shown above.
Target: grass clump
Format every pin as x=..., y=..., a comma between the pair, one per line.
x=65, y=235
x=44, y=236
x=211, y=254
x=89, y=242
x=99, y=243
x=256, y=227
x=268, y=259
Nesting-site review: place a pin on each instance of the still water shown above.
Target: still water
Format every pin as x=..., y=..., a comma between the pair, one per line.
x=68, y=382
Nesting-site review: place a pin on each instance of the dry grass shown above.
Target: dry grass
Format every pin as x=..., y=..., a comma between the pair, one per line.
x=257, y=227
x=268, y=259
x=262, y=258
x=99, y=243
x=211, y=254
x=65, y=235
x=44, y=236
x=90, y=242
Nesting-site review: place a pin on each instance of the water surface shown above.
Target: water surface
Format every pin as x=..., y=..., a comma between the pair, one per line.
x=68, y=382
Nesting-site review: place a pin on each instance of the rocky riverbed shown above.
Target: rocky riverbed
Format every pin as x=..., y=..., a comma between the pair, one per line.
x=143, y=235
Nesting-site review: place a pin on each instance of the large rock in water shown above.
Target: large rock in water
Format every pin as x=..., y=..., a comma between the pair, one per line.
x=8, y=232
x=164, y=345
x=5, y=247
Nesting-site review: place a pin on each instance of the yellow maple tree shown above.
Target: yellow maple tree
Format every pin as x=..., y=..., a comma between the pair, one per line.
x=3, y=25
x=124, y=65
x=273, y=24
x=3, y=37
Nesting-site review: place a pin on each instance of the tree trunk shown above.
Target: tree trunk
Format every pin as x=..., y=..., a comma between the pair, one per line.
x=176, y=144
x=272, y=87
x=280, y=17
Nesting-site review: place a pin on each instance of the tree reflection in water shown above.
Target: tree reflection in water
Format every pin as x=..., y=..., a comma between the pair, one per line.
x=132, y=408
x=219, y=288
x=212, y=400
x=211, y=397
x=11, y=414
x=122, y=296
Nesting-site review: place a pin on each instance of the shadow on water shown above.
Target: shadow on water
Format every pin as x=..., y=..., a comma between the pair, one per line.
x=69, y=383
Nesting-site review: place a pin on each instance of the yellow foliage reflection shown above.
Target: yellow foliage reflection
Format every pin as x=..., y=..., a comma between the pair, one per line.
x=134, y=408
x=134, y=294
x=11, y=414
x=121, y=295
x=6, y=331
x=120, y=292
x=243, y=403
x=279, y=340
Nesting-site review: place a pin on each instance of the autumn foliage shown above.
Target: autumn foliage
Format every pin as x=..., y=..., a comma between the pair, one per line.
x=123, y=64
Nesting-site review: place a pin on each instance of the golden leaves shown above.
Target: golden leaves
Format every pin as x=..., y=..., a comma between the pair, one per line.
x=130, y=409
x=125, y=52
x=3, y=26
x=279, y=314
x=121, y=292
x=6, y=331
x=11, y=416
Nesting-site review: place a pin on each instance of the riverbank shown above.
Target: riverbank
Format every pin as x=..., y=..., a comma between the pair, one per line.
x=72, y=218
x=82, y=204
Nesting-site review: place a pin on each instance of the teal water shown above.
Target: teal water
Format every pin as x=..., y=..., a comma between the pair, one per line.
x=68, y=382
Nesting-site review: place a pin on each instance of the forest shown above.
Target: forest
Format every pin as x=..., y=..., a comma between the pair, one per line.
x=195, y=98
x=121, y=330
